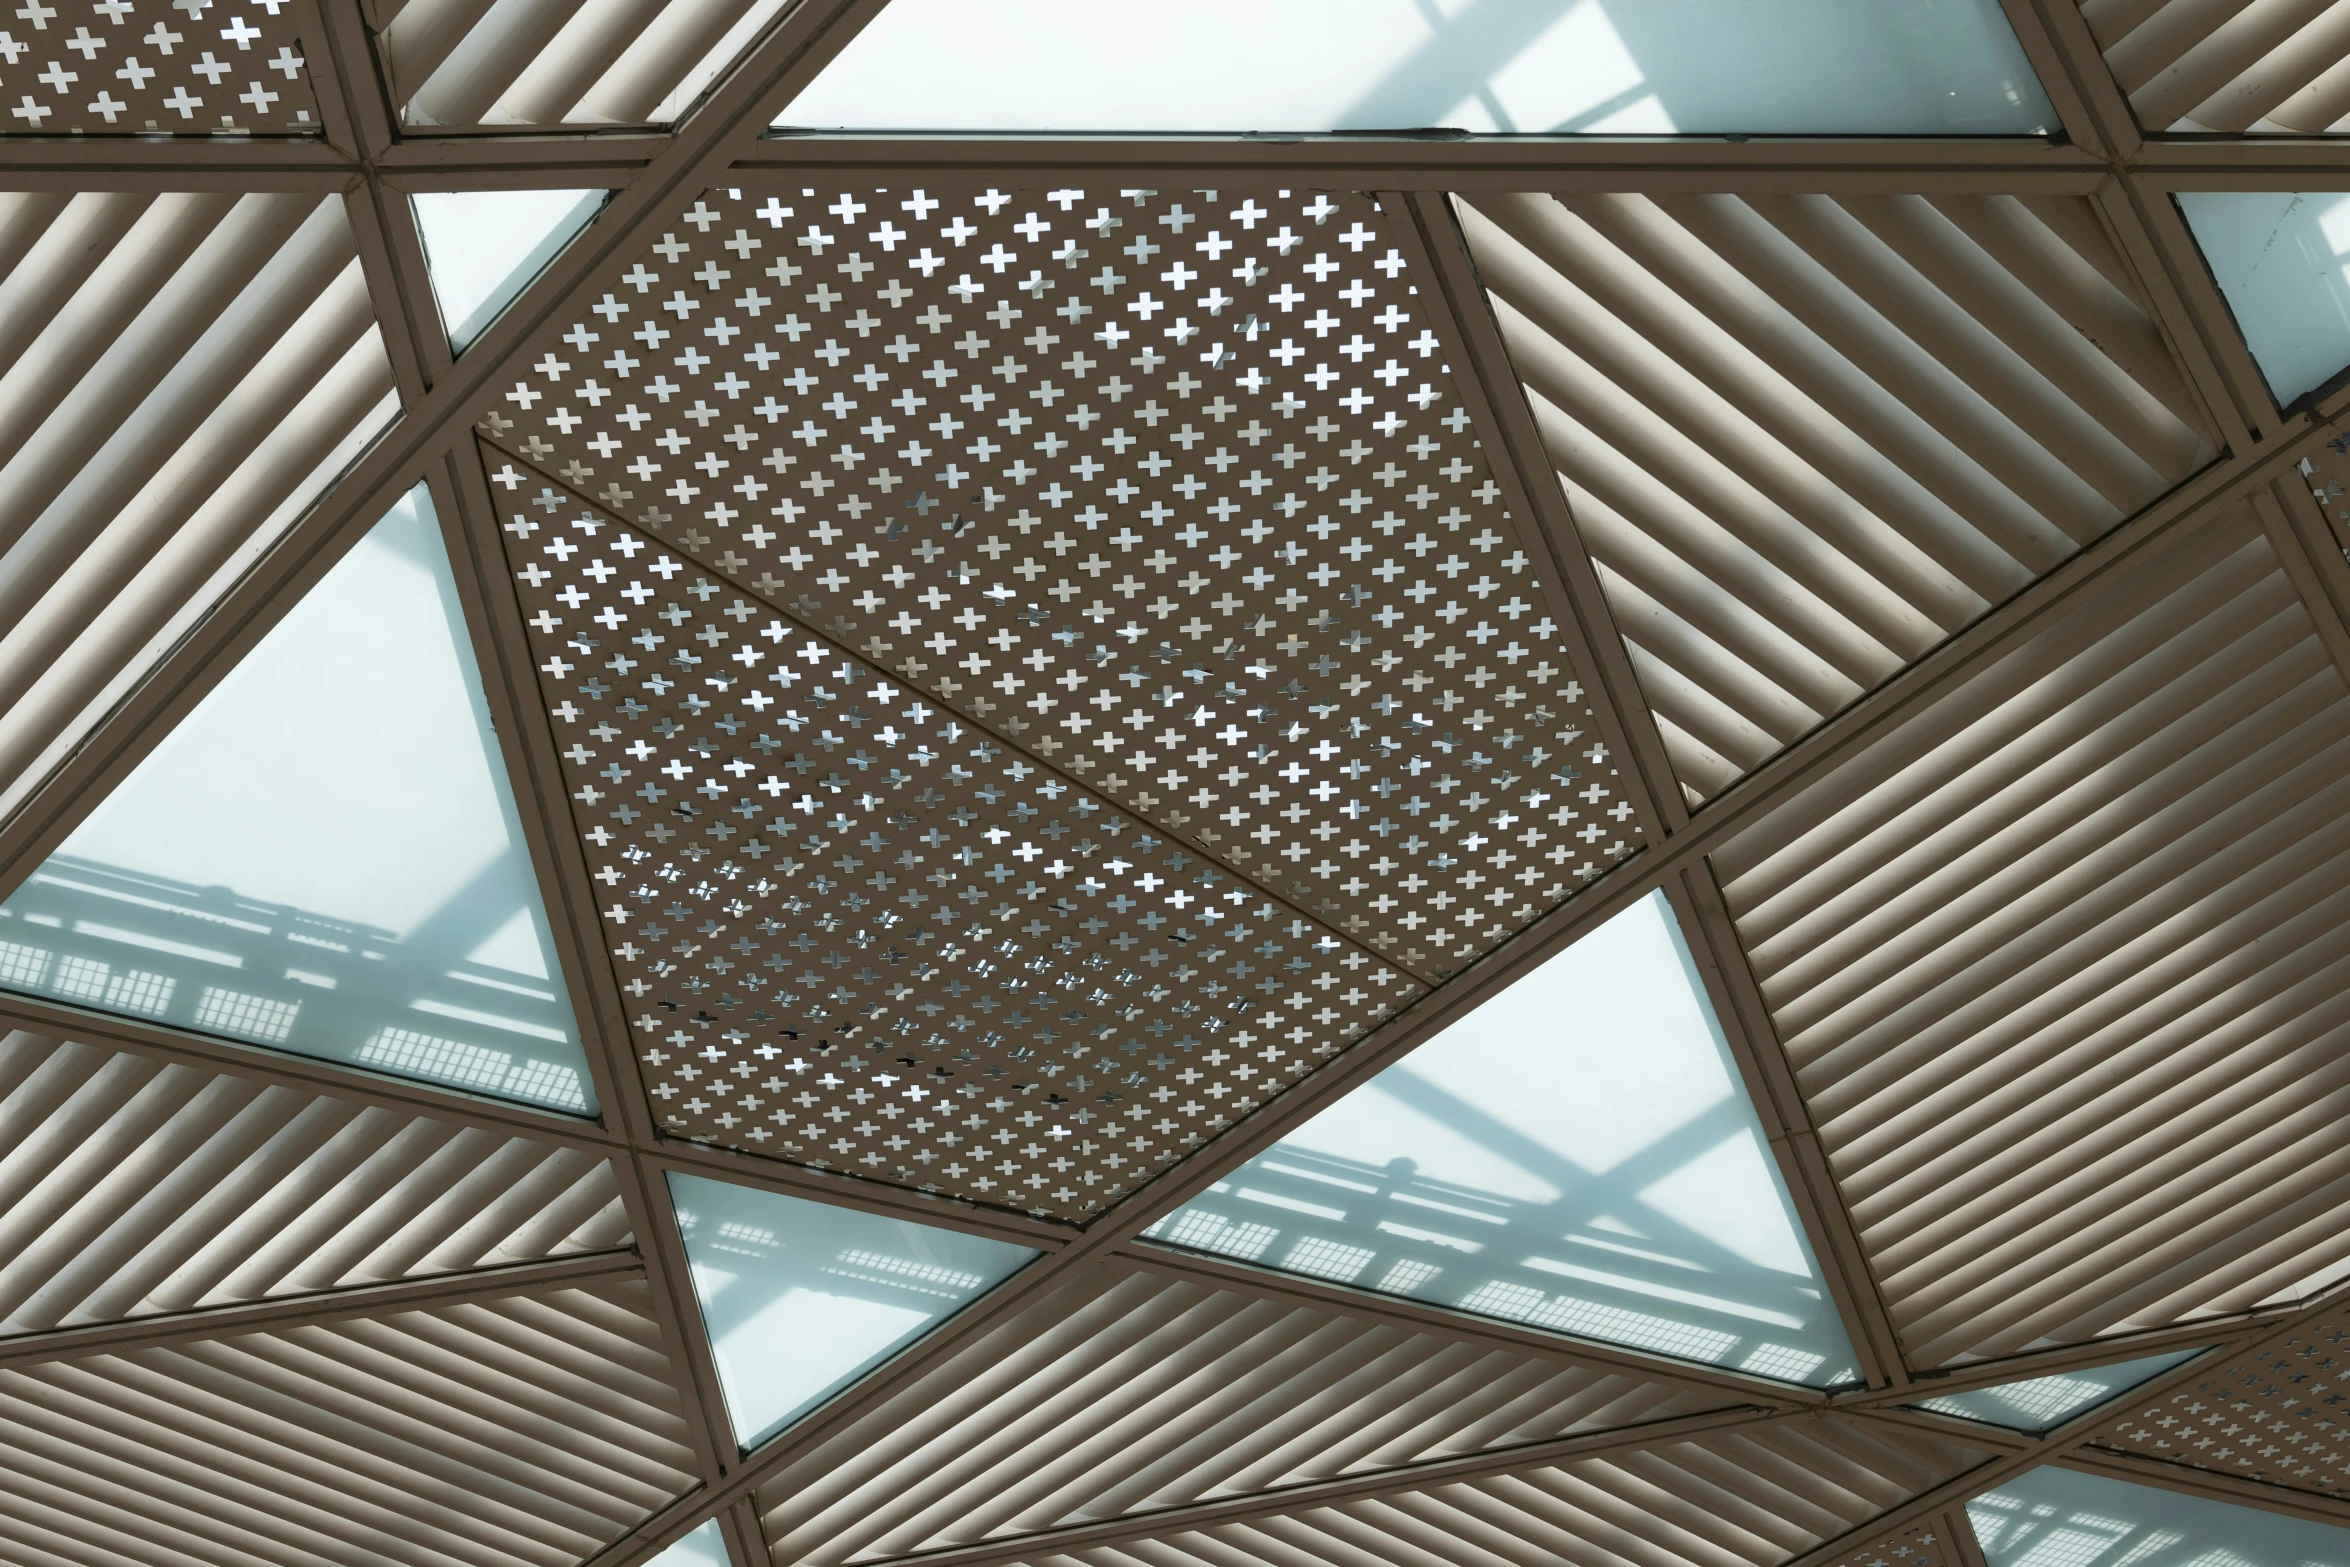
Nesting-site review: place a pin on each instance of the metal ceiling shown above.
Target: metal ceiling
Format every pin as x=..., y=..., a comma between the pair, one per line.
x=1885, y=548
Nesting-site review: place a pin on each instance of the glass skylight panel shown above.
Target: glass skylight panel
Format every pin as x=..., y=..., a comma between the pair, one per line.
x=484, y=247
x=1577, y=1154
x=2050, y=1517
x=2282, y=261
x=2043, y=1403
x=801, y=1298
x=1613, y=67
x=324, y=857
x=705, y=1547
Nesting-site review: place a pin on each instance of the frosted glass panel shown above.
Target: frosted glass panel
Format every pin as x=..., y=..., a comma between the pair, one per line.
x=802, y=1298
x=2280, y=260
x=2060, y=1518
x=2044, y=1403
x=324, y=856
x=705, y=1547
x=484, y=247
x=1621, y=67
x=1577, y=1154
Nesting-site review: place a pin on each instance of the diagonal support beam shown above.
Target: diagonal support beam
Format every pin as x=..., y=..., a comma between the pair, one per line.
x=307, y=1310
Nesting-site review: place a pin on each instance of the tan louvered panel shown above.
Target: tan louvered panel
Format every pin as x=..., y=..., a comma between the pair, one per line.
x=543, y=62
x=2279, y=1414
x=179, y=376
x=2061, y=966
x=1128, y=1391
x=2279, y=66
x=526, y=1430
x=129, y=1187
x=1805, y=439
x=1744, y=1497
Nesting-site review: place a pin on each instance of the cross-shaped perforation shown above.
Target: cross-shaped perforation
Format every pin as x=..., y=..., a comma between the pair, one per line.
x=1172, y=489
x=130, y=67
x=860, y=933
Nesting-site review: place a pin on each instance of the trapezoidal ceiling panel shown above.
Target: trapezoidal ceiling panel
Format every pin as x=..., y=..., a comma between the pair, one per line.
x=1126, y=1390
x=129, y=1187
x=1229, y=554
x=1756, y=1495
x=182, y=375
x=2259, y=69
x=1805, y=438
x=859, y=932
x=148, y=67
x=559, y=62
x=523, y=1431
x=2059, y=965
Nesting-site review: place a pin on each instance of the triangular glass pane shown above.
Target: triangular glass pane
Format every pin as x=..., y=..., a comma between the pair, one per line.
x=1609, y=67
x=2044, y=1403
x=2282, y=261
x=484, y=247
x=2049, y=1517
x=1577, y=1154
x=802, y=1298
x=324, y=857
x=705, y=1547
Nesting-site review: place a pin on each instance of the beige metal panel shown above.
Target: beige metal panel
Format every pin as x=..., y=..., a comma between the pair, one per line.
x=1804, y=438
x=546, y=62
x=524, y=1430
x=2273, y=1414
x=2258, y=66
x=129, y=1187
x=148, y=67
x=1752, y=1496
x=2059, y=964
x=179, y=376
x=1126, y=1391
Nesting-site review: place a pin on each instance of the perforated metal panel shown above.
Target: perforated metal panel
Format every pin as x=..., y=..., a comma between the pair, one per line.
x=2059, y=966
x=1921, y=1545
x=2279, y=1414
x=865, y=935
x=1128, y=1391
x=142, y=67
x=1804, y=439
x=1277, y=611
x=2190, y=66
x=128, y=1187
x=529, y=1429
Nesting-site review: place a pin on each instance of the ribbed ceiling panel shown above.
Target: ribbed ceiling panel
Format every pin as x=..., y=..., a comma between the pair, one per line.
x=1756, y=1496
x=1804, y=439
x=546, y=62
x=2280, y=66
x=128, y=1187
x=2061, y=966
x=180, y=375
x=1127, y=1391
x=526, y=1430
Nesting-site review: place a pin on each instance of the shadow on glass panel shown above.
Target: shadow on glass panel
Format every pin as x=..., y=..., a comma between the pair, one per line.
x=2044, y=1403
x=1616, y=67
x=705, y=1547
x=2052, y=1517
x=2282, y=262
x=324, y=857
x=801, y=1298
x=1578, y=1154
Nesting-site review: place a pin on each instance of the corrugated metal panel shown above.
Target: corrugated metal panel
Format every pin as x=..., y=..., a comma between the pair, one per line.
x=179, y=376
x=1127, y=1390
x=545, y=62
x=1804, y=439
x=1756, y=1496
x=2061, y=966
x=527, y=1430
x=129, y=1187
x=2278, y=66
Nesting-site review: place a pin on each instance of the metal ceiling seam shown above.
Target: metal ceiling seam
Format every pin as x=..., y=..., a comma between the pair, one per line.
x=703, y=145
x=2061, y=1439
x=2312, y=558
x=2053, y=65
x=2093, y=1459
x=844, y=1190
x=1497, y=401
x=2198, y=321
